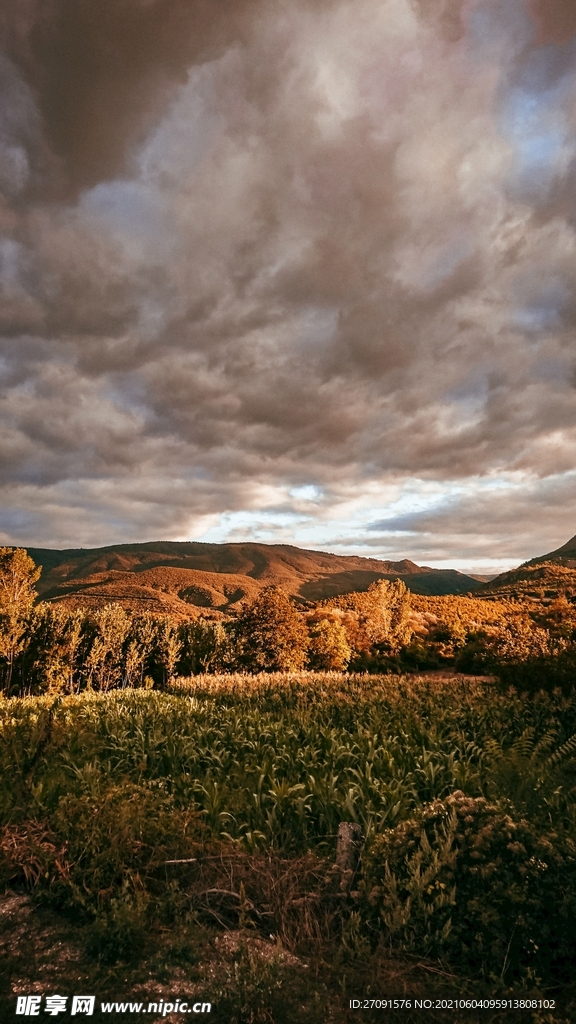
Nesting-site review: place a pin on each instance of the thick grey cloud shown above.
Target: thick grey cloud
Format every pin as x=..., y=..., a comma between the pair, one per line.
x=102, y=73
x=477, y=524
x=324, y=244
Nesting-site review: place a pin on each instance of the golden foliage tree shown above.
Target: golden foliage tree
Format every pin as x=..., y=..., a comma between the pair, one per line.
x=18, y=574
x=329, y=648
x=272, y=634
x=379, y=618
x=55, y=647
x=105, y=660
x=169, y=647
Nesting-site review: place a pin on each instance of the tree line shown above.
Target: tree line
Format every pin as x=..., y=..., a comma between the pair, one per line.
x=58, y=649
x=54, y=648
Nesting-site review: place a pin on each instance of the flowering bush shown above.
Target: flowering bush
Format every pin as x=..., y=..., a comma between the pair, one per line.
x=462, y=879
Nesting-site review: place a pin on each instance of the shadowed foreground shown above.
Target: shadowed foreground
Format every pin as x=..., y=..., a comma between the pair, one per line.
x=184, y=842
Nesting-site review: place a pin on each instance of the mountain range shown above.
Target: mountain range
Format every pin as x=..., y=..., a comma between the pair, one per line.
x=190, y=578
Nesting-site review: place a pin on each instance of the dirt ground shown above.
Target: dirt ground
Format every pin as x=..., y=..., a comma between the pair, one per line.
x=245, y=978
x=42, y=953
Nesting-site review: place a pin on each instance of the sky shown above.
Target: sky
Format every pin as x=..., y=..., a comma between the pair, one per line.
x=292, y=271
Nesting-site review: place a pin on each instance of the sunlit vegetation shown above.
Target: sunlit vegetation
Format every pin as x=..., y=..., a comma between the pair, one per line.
x=56, y=649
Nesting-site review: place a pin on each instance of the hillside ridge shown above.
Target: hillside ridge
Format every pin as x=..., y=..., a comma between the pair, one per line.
x=185, y=576
x=544, y=577
x=564, y=555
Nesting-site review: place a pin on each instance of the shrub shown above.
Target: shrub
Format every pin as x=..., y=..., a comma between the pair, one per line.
x=474, y=656
x=116, y=830
x=539, y=672
x=248, y=986
x=462, y=880
x=532, y=658
x=119, y=928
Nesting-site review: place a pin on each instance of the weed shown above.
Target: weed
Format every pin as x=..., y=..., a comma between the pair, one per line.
x=249, y=986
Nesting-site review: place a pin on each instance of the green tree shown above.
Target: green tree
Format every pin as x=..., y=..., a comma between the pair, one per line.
x=18, y=574
x=206, y=647
x=140, y=648
x=271, y=634
x=51, y=663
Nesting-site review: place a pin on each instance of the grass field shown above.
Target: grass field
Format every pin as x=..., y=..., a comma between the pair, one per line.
x=171, y=832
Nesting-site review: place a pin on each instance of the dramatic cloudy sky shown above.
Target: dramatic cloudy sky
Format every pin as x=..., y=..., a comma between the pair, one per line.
x=290, y=270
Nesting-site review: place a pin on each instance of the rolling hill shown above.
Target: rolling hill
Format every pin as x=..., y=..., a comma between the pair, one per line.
x=191, y=578
x=565, y=555
x=545, y=577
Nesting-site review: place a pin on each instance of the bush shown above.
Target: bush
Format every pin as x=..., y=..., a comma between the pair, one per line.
x=249, y=986
x=474, y=657
x=463, y=880
x=532, y=658
x=119, y=929
x=545, y=672
x=121, y=830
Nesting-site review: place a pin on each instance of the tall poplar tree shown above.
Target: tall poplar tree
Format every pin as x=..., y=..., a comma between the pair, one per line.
x=18, y=574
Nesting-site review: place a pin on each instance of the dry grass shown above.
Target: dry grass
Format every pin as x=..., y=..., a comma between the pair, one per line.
x=295, y=899
x=30, y=853
x=339, y=686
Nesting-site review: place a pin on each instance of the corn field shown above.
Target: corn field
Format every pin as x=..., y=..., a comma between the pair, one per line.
x=108, y=790
x=280, y=760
